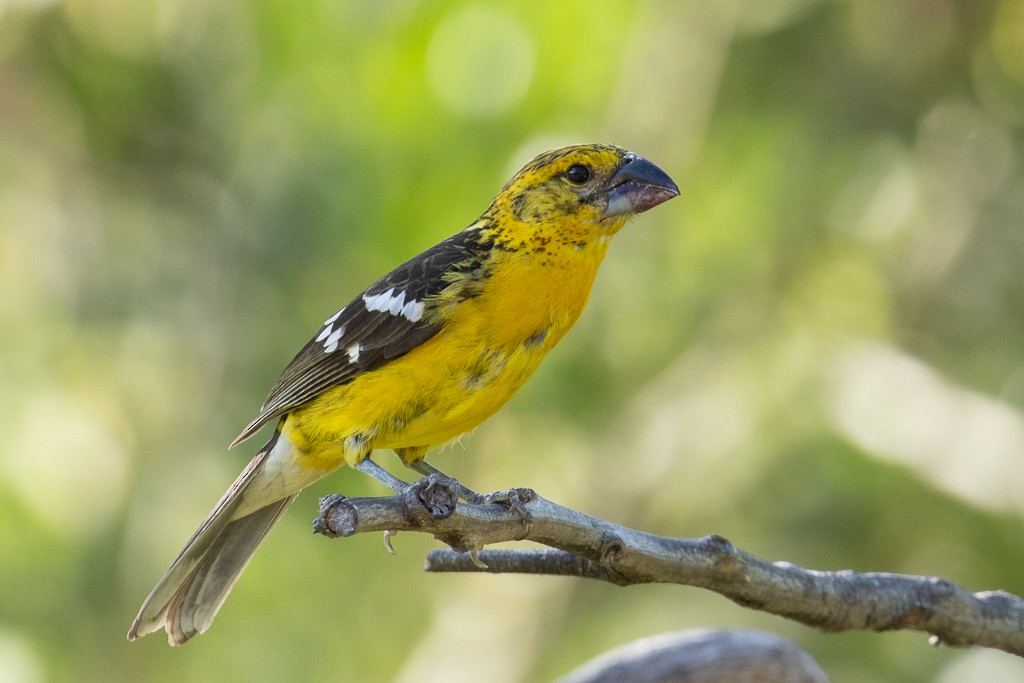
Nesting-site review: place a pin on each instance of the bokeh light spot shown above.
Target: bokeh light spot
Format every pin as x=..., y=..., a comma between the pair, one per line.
x=968, y=149
x=68, y=464
x=18, y=662
x=480, y=62
x=898, y=408
x=1008, y=38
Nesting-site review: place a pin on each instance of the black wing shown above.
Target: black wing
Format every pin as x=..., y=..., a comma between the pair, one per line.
x=389, y=319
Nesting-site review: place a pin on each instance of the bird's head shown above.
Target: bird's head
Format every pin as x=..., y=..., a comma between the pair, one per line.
x=599, y=186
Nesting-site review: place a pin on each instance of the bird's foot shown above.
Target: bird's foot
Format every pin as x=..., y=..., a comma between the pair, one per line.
x=514, y=499
x=438, y=494
x=465, y=493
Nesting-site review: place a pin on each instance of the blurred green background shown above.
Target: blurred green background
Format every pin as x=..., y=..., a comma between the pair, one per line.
x=817, y=351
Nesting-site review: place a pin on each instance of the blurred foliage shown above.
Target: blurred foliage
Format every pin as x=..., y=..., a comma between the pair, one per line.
x=816, y=351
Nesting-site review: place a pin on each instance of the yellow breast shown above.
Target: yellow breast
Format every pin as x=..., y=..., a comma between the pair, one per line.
x=489, y=346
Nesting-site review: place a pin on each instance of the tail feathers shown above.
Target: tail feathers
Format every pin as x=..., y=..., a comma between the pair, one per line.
x=187, y=598
x=204, y=590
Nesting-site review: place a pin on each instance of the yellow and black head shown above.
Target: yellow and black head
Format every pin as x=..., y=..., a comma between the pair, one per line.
x=599, y=185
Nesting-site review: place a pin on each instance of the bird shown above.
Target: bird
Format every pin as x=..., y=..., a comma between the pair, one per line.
x=420, y=357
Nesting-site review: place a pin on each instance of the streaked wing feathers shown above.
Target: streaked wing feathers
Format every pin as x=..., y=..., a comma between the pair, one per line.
x=389, y=319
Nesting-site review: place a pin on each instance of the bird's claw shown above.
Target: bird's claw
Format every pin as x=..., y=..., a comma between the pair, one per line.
x=438, y=494
x=388, y=535
x=474, y=556
x=513, y=499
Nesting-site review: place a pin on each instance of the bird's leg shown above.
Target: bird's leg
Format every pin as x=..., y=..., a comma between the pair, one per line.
x=367, y=466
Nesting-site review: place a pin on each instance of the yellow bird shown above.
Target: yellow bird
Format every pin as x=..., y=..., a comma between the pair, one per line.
x=424, y=354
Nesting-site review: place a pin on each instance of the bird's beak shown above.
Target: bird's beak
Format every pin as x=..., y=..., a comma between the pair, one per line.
x=638, y=185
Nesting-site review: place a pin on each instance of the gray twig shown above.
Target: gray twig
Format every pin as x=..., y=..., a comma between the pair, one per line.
x=589, y=547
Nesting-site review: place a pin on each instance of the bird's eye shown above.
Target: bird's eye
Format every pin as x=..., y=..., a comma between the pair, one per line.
x=577, y=174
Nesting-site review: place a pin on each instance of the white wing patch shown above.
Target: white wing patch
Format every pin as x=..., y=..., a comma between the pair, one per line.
x=330, y=336
x=331, y=344
x=395, y=304
x=385, y=302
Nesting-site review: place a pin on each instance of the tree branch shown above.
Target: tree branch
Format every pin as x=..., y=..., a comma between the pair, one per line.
x=589, y=547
